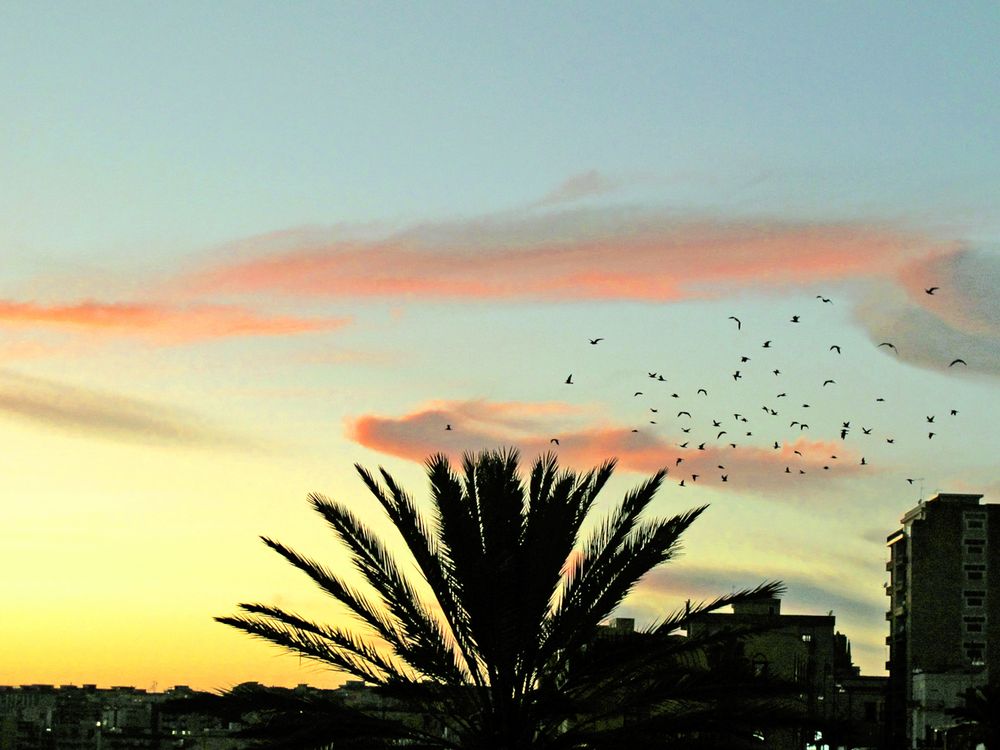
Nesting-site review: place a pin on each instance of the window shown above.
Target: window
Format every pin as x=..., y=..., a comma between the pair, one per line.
x=807, y=637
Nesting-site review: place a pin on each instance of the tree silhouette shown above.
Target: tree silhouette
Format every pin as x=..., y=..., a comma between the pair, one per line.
x=501, y=643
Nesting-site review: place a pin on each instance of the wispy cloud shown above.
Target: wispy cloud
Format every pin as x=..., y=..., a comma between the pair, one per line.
x=583, y=185
x=478, y=424
x=164, y=324
x=71, y=408
x=960, y=320
x=585, y=254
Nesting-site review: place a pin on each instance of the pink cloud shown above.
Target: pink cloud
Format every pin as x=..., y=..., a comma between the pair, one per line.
x=158, y=323
x=477, y=425
x=578, y=255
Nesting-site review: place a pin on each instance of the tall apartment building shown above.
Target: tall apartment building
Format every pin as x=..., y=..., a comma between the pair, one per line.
x=944, y=613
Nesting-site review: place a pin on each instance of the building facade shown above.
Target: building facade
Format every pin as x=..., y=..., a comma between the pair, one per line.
x=944, y=613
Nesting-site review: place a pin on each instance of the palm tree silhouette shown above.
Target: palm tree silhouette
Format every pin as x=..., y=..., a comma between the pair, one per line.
x=499, y=637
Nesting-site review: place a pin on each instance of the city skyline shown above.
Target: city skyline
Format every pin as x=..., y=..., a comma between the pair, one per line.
x=245, y=247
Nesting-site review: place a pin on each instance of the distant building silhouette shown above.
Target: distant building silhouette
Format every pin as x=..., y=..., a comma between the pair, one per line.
x=843, y=707
x=944, y=613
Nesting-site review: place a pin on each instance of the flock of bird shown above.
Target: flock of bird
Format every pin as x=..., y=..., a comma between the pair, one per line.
x=696, y=435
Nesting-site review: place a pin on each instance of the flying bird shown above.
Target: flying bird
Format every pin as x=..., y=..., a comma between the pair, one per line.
x=661, y=378
x=685, y=429
x=554, y=440
x=954, y=412
x=736, y=375
x=721, y=433
x=725, y=477
x=890, y=441
x=824, y=299
x=678, y=462
x=685, y=413
x=716, y=423
x=682, y=483
x=776, y=372
x=829, y=382
x=930, y=435
x=767, y=344
x=776, y=446
x=891, y=346
x=653, y=410
x=958, y=362
x=931, y=290
x=447, y=426
x=795, y=319
x=637, y=393
x=569, y=380
x=744, y=359
x=930, y=418
x=781, y=395
x=701, y=446
x=863, y=462
x=799, y=453
x=867, y=430
x=651, y=374
x=739, y=325
x=694, y=477
x=835, y=348
x=803, y=426
x=683, y=445
x=703, y=391
x=843, y=434
x=594, y=341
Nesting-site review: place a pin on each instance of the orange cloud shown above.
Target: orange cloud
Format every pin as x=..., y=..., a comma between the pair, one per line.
x=476, y=425
x=570, y=255
x=159, y=323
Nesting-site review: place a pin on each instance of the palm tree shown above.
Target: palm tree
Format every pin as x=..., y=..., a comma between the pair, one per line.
x=503, y=648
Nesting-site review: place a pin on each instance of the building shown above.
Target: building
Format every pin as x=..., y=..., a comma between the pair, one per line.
x=944, y=613
x=843, y=708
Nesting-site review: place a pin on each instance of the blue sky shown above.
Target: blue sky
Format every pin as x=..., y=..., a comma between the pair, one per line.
x=245, y=245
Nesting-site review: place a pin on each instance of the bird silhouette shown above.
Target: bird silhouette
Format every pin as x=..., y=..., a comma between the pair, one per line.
x=930, y=435
x=554, y=440
x=767, y=344
x=891, y=346
x=930, y=419
x=835, y=348
x=781, y=395
x=776, y=446
x=739, y=324
x=798, y=453
x=678, y=462
x=653, y=410
x=827, y=300
x=725, y=477
x=736, y=375
x=685, y=413
x=569, y=380
x=795, y=319
x=594, y=341
x=637, y=393
x=843, y=434
x=703, y=391
x=954, y=412
x=683, y=445
x=866, y=430
x=694, y=477
x=682, y=483
x=890, y=441
x=863, y=462
x=803, y=426
x=744, y=359
x=721, y=433
x=701, y=446
x=661, y=378
x=879, y=400
x=685, y=429
x=931, y=290
x=788, y=470
x=652, y=375
x=776, y=372
x=829, y=382
x=716, y=423
x=447, y=426
x=958, y=362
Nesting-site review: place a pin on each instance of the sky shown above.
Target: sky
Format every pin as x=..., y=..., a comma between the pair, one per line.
x=247, y=245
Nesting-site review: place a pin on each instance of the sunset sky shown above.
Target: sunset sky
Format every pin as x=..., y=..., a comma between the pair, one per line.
x=246, y=245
